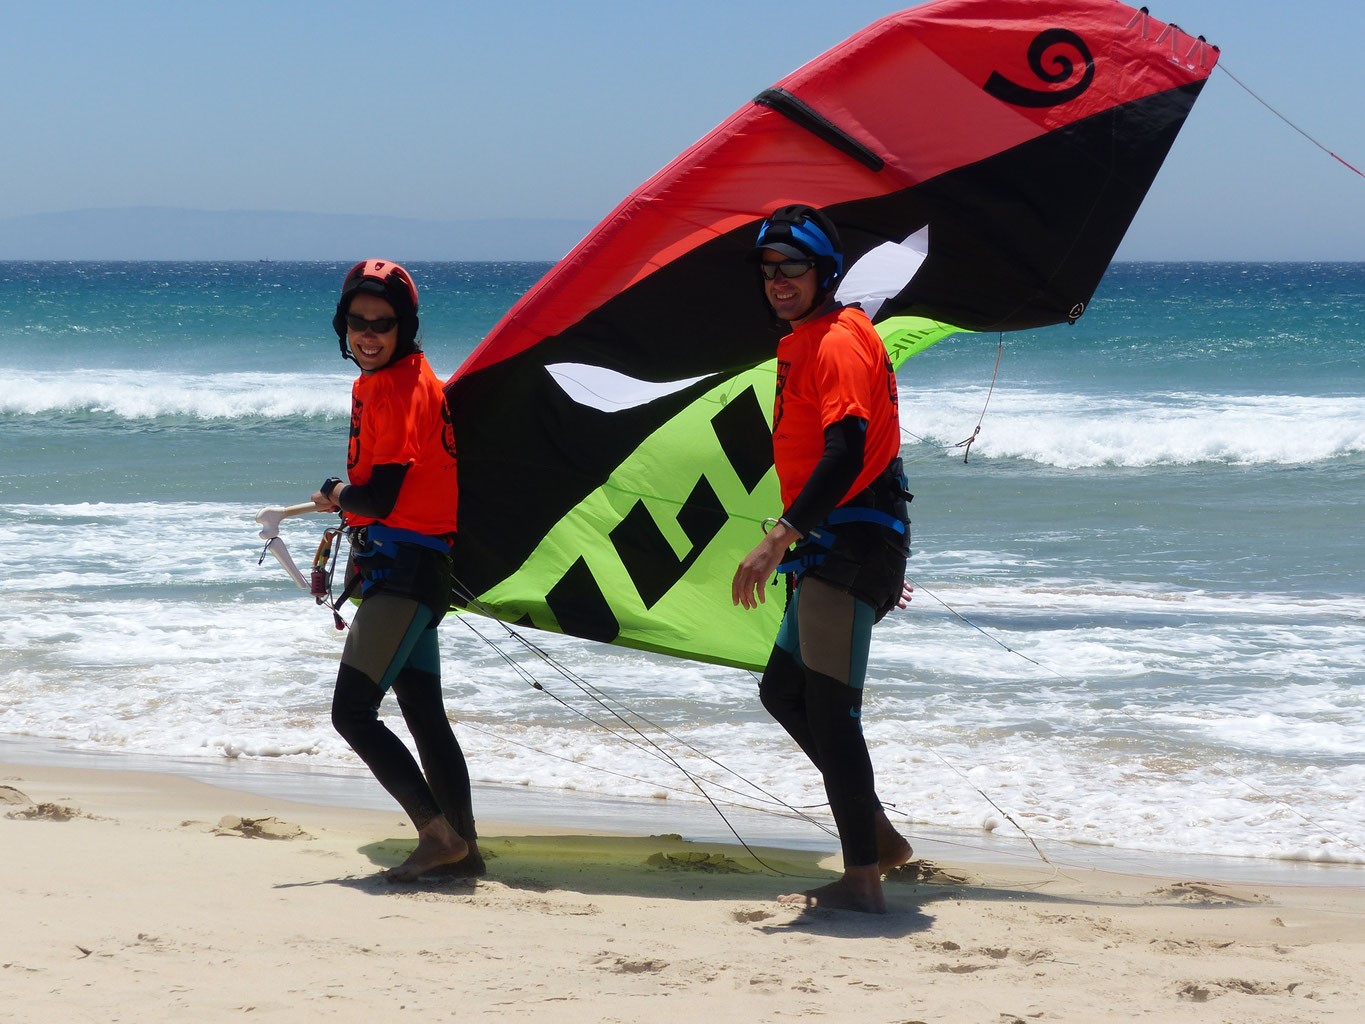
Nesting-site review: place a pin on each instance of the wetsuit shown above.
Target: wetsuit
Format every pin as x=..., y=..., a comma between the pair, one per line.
x=400, y=507
x=836, y=439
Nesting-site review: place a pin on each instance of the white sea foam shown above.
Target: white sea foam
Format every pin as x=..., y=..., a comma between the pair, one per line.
x=1061, y=429
x=1176, y=736
x=1071, y=430
x=142, y=394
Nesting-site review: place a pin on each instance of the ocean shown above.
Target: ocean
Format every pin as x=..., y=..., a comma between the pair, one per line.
x=1138, y=625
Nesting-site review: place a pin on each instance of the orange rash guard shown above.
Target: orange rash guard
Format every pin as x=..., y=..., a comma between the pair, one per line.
x=828, y=369
x=399, y=417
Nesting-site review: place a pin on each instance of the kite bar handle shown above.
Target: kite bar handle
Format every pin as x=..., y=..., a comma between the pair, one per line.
x=270, y=518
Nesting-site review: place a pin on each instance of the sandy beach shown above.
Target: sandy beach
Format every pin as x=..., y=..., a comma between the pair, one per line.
x=136, y=896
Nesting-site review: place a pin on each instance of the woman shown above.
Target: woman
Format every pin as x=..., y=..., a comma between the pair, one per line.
x=399, y=504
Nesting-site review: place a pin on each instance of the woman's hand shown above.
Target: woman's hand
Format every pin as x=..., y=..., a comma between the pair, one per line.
x=322, y=502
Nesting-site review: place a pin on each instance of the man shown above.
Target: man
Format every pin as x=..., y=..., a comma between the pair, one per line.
x=836, y=444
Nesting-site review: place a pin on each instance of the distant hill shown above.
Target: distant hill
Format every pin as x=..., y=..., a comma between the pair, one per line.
x=164, y=233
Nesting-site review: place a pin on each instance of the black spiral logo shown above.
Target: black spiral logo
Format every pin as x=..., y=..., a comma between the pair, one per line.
x=1052, y=56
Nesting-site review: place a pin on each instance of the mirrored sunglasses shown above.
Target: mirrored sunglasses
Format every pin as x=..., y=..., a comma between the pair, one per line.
x=381, y=326
x=787, y=268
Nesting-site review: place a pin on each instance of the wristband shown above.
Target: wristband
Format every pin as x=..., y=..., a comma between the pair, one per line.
x=328, y=485
x=769, y=523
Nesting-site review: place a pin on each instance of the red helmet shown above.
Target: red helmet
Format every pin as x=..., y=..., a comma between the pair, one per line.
x=391, y=283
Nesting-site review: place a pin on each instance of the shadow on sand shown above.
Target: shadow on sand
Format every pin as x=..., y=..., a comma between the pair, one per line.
x=662, y=867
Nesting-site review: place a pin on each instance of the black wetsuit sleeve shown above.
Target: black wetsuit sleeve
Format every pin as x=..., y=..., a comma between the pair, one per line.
x=833, y=475
x=375, y=499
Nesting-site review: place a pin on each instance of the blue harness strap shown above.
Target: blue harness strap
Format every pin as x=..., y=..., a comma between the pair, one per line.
x=384, y=537
x=889, y=488
x=857, y=514
x=378, y=539
x=824, y=540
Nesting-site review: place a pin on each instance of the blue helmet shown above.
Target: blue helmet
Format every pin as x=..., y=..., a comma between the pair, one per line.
x=803, y=232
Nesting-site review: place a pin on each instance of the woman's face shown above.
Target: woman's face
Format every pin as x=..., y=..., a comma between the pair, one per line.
x=372, y=350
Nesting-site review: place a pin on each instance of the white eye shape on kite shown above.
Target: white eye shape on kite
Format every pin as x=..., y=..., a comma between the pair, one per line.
x=883, y=272
x=877, y=276
x=610, y=391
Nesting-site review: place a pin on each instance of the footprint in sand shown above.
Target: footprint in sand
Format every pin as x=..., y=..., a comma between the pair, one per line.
x=626, y=965
x=12, y=797
x=1207, y=894
x=751, y=916
x=258, y=828
x=30, y=811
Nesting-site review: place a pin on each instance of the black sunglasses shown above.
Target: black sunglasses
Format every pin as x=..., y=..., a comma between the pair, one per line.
x=788, y=268
x=381, y=326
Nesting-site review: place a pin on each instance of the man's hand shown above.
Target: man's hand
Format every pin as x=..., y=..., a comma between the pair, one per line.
x=906, y=592
x=758, y=566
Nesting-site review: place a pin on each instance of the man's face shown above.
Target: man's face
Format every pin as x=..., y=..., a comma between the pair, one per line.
x=790, y=297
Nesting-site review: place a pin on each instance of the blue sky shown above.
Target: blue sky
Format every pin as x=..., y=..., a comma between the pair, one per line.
x=450, y=111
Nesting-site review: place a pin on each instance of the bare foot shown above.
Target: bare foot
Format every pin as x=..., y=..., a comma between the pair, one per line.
x=860, y=889
x=472, y=866
x=892, y=849
x=438, y=848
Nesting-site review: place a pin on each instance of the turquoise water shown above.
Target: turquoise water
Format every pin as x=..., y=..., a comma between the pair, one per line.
x=1139, y=618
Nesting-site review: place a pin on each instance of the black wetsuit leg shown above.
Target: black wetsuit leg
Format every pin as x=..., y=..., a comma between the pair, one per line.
x=823, y=714
x=392, y=639
x=355, y=715
x=418, y=689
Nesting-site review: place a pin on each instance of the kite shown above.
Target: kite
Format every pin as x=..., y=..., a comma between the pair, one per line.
x=981, y=159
